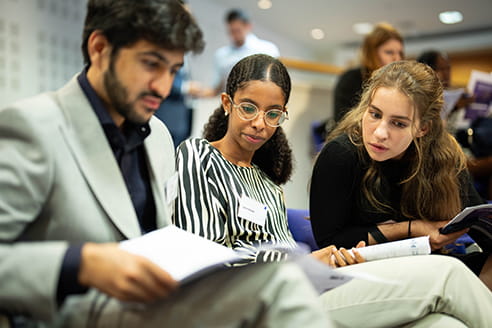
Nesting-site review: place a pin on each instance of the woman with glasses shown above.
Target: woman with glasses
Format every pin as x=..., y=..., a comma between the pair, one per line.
x=229, y=192
x=229, y=182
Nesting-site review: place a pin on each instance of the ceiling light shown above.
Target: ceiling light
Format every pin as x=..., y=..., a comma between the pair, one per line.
x=362, y=28
x=450, y=17
x=317, y=33
x=264, y=4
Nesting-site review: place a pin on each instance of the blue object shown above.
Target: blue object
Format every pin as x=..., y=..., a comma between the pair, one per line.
x=318, y=138
x=175, y=112
x=300, y=227
x=460, y=245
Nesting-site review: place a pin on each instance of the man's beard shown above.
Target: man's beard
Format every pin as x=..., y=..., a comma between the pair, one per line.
x=118, y=97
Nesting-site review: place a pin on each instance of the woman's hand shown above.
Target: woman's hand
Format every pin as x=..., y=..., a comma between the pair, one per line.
x=431, y=229
x=338, y=258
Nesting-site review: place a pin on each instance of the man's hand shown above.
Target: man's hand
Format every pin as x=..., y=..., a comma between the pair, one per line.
x=123, y=275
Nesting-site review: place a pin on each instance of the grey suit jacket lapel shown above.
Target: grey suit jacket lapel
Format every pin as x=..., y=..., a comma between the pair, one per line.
x=88, y=143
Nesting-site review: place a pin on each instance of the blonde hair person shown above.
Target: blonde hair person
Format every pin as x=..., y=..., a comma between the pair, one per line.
x=391, y=160
x=382, y=46
x=432, y=192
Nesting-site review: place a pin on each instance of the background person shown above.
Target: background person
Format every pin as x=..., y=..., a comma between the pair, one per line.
x=243, y=43
x=176, y=110
x=390, y=171
x=439, y=62
x=382, y=46
x=480, y=167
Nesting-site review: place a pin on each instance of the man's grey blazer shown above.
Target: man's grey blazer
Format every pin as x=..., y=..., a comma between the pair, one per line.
x=60, y=184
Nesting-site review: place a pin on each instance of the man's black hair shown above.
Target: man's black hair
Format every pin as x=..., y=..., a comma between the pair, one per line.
x=162, y=22
x=236, y=14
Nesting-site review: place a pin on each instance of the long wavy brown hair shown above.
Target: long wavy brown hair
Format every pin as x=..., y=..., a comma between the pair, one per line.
x=431, y=190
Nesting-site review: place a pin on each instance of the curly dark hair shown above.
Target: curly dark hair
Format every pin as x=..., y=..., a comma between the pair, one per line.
x=163, y=22
x=275, y=156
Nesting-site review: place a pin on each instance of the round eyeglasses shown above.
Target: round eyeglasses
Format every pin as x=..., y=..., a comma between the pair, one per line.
x=248, y=112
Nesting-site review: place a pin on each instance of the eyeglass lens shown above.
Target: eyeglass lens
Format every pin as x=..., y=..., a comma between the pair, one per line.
x=273, y=117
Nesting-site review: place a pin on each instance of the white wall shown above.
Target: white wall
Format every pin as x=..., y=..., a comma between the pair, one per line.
x=39, y=45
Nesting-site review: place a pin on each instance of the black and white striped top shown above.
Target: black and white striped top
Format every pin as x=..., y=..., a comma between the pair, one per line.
x=209, y=195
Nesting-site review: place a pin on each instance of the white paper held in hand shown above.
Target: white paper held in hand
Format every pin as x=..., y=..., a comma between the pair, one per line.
x=180, y=253
x=405, y=247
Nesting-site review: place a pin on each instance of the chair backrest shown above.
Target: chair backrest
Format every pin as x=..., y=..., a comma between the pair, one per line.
x=300, y=227
x=318, y=134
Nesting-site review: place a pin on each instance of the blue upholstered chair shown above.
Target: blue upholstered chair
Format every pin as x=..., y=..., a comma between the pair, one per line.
x=300, y=227
x=317, y=135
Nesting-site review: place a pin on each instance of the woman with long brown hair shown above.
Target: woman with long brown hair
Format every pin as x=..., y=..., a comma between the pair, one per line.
x=390, y=171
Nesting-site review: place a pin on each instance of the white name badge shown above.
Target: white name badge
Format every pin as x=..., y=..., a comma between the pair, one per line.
x=171, y=189
x=252, y=210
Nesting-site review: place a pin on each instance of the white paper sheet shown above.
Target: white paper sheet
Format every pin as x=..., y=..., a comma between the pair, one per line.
x=405, y=247
x=451, y=97
x=179, y=252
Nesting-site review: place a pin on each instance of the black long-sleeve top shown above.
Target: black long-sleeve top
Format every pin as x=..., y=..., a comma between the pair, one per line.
x=340, y=214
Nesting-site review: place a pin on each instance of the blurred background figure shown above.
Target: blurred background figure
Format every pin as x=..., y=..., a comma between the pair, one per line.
x=383, y=45
x=479, y=163
x=176, y=110
x=454, y=99
x=243, y=43
x=439, y=62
